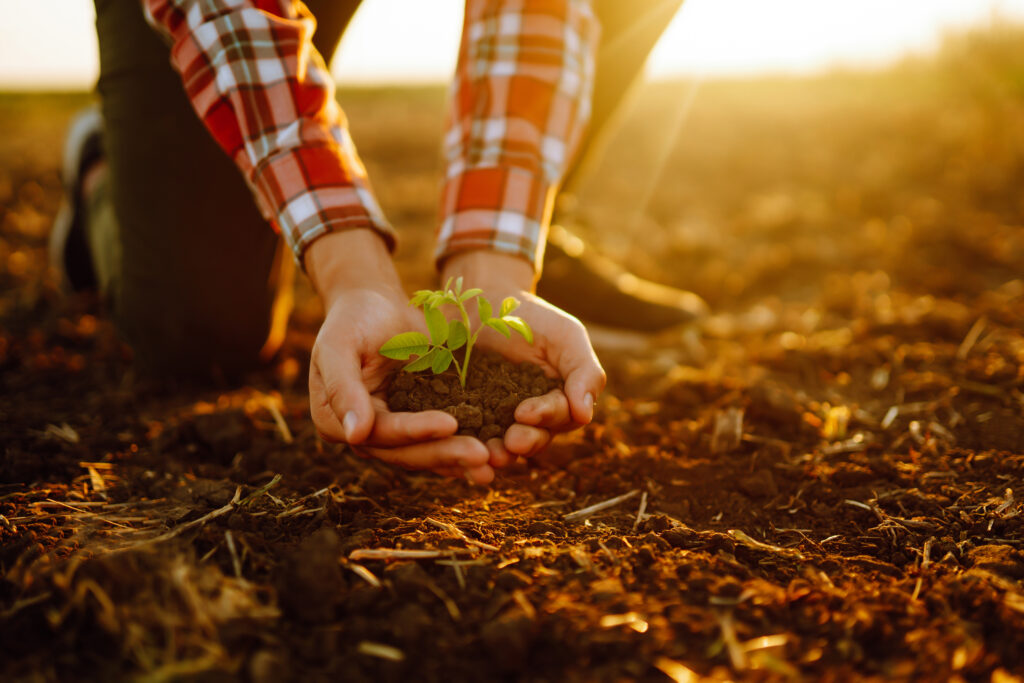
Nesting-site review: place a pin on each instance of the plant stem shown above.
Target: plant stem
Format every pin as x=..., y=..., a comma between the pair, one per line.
x=469, y=346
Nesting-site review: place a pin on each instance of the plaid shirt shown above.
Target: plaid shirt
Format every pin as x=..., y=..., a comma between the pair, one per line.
x=520, y=102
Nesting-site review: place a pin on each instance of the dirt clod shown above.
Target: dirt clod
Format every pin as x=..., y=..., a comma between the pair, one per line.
x=486, y=406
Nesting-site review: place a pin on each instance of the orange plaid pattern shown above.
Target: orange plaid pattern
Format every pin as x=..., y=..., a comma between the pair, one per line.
x=519, y=106
x=520, y=102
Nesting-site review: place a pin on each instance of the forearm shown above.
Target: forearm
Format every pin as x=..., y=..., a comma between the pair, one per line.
x=492, y=271
x=254, y=78
x=519, y=107
x=353, y=259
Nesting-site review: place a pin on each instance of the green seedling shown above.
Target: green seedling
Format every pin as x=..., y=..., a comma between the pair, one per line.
x=447, y=336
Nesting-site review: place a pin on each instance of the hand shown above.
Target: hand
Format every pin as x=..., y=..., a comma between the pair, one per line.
x=561, y=347
x=365, y=306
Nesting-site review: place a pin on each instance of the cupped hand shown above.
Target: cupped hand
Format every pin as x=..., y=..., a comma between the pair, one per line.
x=561, y=347
x=366, y=306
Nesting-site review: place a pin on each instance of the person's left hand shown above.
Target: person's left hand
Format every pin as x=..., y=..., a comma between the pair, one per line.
x=561, y=347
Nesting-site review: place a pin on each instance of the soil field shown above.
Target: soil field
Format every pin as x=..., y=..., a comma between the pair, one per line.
x=823, y=482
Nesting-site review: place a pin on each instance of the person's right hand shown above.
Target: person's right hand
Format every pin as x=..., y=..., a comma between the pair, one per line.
x=365, y=306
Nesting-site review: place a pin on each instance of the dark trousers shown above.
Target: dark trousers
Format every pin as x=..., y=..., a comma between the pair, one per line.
x=197, y=280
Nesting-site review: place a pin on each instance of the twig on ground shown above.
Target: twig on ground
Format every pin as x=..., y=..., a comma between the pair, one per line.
x=230, y=540
x=270, y=403
x=524, y=603
x=598, y=507
x=364, y=573
x=460, y=534
x=64, y=432
x=380, y=651
x=182, y=528
x=679, y=673
x=737, y=656
x=449, y=604
x=630, y=619
x=767, y=547
x=640, y=511
x=260, y=491
x=399, y=554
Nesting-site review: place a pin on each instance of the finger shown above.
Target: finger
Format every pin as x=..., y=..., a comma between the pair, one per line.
x=464, y=452
x=328, y=426
x=584, y=376
x=550, y=411
x=525, y=440
x=499, y=455
x=341, y=379
x=454, y=472
x=403, y=429
x=477, y=475
x=482, y=475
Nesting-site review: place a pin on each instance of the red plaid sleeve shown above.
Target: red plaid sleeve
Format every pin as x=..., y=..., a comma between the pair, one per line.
x=519, y=106
x=254, y=78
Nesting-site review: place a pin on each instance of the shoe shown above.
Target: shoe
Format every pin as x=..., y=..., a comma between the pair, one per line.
x=69, y=248
x=597, y=290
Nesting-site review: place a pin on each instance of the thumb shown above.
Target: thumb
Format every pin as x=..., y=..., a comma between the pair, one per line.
x=584, y=377
x=347, y=395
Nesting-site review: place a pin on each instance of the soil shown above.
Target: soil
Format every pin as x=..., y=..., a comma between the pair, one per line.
x=486, y=406
x=824, y=482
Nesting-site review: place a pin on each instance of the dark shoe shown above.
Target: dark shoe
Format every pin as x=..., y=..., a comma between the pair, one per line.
x=597, y=290
x=69, y=249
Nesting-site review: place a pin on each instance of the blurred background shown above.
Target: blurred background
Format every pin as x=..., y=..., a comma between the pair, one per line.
x=787, y=152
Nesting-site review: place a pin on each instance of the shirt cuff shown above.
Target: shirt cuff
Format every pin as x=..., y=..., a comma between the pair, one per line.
x=307, y=193
x=503, y=209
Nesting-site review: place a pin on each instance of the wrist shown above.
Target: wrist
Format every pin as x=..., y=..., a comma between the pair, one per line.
x=490, y=270
x=351, y=259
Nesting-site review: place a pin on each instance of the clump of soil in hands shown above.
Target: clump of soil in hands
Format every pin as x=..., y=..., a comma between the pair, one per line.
x=486, y=407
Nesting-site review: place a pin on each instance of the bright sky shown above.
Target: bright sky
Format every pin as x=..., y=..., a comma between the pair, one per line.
x=51, y=43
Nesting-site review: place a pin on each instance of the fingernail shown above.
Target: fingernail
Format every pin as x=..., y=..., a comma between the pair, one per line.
x=588, y=403
x=349, y=423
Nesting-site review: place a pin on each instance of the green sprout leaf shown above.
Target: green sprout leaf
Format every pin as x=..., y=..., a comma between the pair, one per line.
x=457, y=335
x=483, y=307
x=441, y=360
x=436, y=351
x=419, y=297
x=509, y=304
x=436, y=325
x=520, y=326
x=421, y=363
x=401, y=346
x=499, y=325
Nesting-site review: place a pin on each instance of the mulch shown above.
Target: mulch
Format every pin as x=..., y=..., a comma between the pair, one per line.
x=826, y=488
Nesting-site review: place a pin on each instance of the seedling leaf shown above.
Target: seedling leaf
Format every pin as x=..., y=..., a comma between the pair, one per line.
x=483, y=307
x=509, y=304
x=457, y=335
x=435, y=352
x=406, y=344
x=419, y=297
x=442, y=359
x=520, y=326
x=421, y=363
x=499, y=325
x=437, y=325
